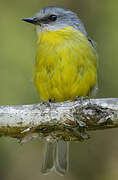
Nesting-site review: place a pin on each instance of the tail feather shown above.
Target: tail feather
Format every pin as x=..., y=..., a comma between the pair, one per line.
x=49, y=156
x=56, y=155
x=61, y=160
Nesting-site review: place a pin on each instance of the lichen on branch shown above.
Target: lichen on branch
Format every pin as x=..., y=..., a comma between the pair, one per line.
x=70, y=120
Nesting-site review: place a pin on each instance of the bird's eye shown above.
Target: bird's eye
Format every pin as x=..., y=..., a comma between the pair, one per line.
x=52, y=17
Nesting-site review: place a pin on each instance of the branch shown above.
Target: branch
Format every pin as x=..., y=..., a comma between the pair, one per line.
x=68, y=120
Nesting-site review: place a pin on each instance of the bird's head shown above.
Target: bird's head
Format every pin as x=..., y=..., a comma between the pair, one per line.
x=54, y=18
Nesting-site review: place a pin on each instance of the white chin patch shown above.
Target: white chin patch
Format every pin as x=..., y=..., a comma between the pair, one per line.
x=39, y=29
x=48, y=28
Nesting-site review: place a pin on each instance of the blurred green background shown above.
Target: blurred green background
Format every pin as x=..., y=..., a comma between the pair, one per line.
x=96, y=159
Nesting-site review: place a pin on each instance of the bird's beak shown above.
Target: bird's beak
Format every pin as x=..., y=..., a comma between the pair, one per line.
x=31, y=20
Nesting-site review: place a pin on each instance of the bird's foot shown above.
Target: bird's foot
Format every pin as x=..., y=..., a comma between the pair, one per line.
x=81, y=98
x=48, y=103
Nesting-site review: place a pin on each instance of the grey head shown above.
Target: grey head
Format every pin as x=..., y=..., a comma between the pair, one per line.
x=55, y=18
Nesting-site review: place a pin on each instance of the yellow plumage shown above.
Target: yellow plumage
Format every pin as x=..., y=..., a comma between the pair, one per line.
x=65, y=65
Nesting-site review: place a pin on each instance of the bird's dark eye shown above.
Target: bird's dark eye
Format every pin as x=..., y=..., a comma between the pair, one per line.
x=52, y=17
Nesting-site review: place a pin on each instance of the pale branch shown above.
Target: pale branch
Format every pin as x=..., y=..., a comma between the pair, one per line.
x=68, y=120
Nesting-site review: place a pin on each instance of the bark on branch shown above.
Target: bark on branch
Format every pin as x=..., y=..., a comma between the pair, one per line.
x=68, y=120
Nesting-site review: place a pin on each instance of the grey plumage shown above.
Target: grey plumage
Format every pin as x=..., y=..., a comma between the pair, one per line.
x=65, y=18
x=55, y=157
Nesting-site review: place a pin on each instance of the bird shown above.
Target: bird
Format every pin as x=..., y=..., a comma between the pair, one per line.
x=65, y=68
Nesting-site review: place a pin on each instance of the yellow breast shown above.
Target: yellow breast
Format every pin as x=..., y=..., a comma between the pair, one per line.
x=65, y=65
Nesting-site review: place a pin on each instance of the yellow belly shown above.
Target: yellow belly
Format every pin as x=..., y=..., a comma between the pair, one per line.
x=65, y=65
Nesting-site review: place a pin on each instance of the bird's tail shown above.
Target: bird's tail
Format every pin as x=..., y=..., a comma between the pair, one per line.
x=55, y=156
